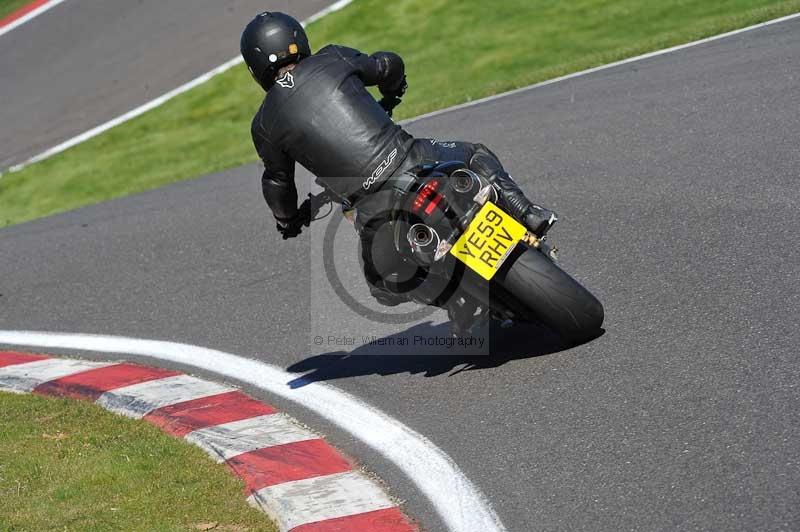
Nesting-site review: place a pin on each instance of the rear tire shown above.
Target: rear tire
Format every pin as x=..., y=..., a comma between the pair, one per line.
x=552, y=297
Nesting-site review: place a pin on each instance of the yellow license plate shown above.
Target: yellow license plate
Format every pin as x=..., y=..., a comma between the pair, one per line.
x=488, y=240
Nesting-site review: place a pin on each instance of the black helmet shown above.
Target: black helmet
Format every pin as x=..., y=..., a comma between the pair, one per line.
x=272, y=41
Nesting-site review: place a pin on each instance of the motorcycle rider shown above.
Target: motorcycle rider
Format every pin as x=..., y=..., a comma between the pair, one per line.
x=318, y=112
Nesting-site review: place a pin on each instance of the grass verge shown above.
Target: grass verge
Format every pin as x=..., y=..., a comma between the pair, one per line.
x=9, y=6
x=455, y=51
x=70, y=465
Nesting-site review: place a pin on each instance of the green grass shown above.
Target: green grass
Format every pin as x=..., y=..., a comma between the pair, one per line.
x=455, y=51
x=69, y=465
x=9, y=6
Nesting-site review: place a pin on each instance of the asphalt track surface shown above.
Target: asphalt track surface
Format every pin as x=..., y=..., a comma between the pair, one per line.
x=676, y=178
x=85, y=62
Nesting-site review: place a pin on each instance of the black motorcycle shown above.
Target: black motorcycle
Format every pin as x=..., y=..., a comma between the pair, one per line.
x=475, y=259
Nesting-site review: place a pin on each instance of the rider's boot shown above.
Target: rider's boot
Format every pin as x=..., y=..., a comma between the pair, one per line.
x=539, y=220
x=536, y=219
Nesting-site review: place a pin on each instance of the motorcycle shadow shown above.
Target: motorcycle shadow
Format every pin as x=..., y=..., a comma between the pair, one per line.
x=412, y=351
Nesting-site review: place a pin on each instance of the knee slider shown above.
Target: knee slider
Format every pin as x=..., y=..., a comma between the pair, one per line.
x=485, y=164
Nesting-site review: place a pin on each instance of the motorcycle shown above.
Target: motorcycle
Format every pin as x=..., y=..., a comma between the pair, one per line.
x=475, y=257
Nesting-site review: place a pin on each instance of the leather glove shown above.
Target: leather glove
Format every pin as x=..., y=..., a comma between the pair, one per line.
x=292, y=227
x=389, y=103
x=393, y=99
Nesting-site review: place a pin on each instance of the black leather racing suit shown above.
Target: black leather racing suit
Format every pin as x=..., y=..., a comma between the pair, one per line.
x=320, y=115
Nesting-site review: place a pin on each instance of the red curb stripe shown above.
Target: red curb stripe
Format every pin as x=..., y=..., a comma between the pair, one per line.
x=21, y=12
x=388, y=520
x=284, y=463
x=90, y=385
x=182, y=418
x=11, y=358
x=268, y=467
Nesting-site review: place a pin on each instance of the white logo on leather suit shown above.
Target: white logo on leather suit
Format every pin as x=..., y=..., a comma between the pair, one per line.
x=286, y=81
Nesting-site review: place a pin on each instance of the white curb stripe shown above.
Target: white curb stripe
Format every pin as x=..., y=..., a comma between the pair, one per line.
x=28, y=16
x=138, y=399
x=459, y=503
x=157, y=102
x=320, y=498
x=23, y=378
x=352, y=497
x=225, y=441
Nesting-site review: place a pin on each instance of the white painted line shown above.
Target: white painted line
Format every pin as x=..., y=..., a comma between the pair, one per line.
x=29, y=16
x=137, y=400
x=336, y=6
x=600, y=68
x=23, y=378
x=83, y=137
x=461, y=505
x=157, y=102
x=225, y=441
x=310, y=500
